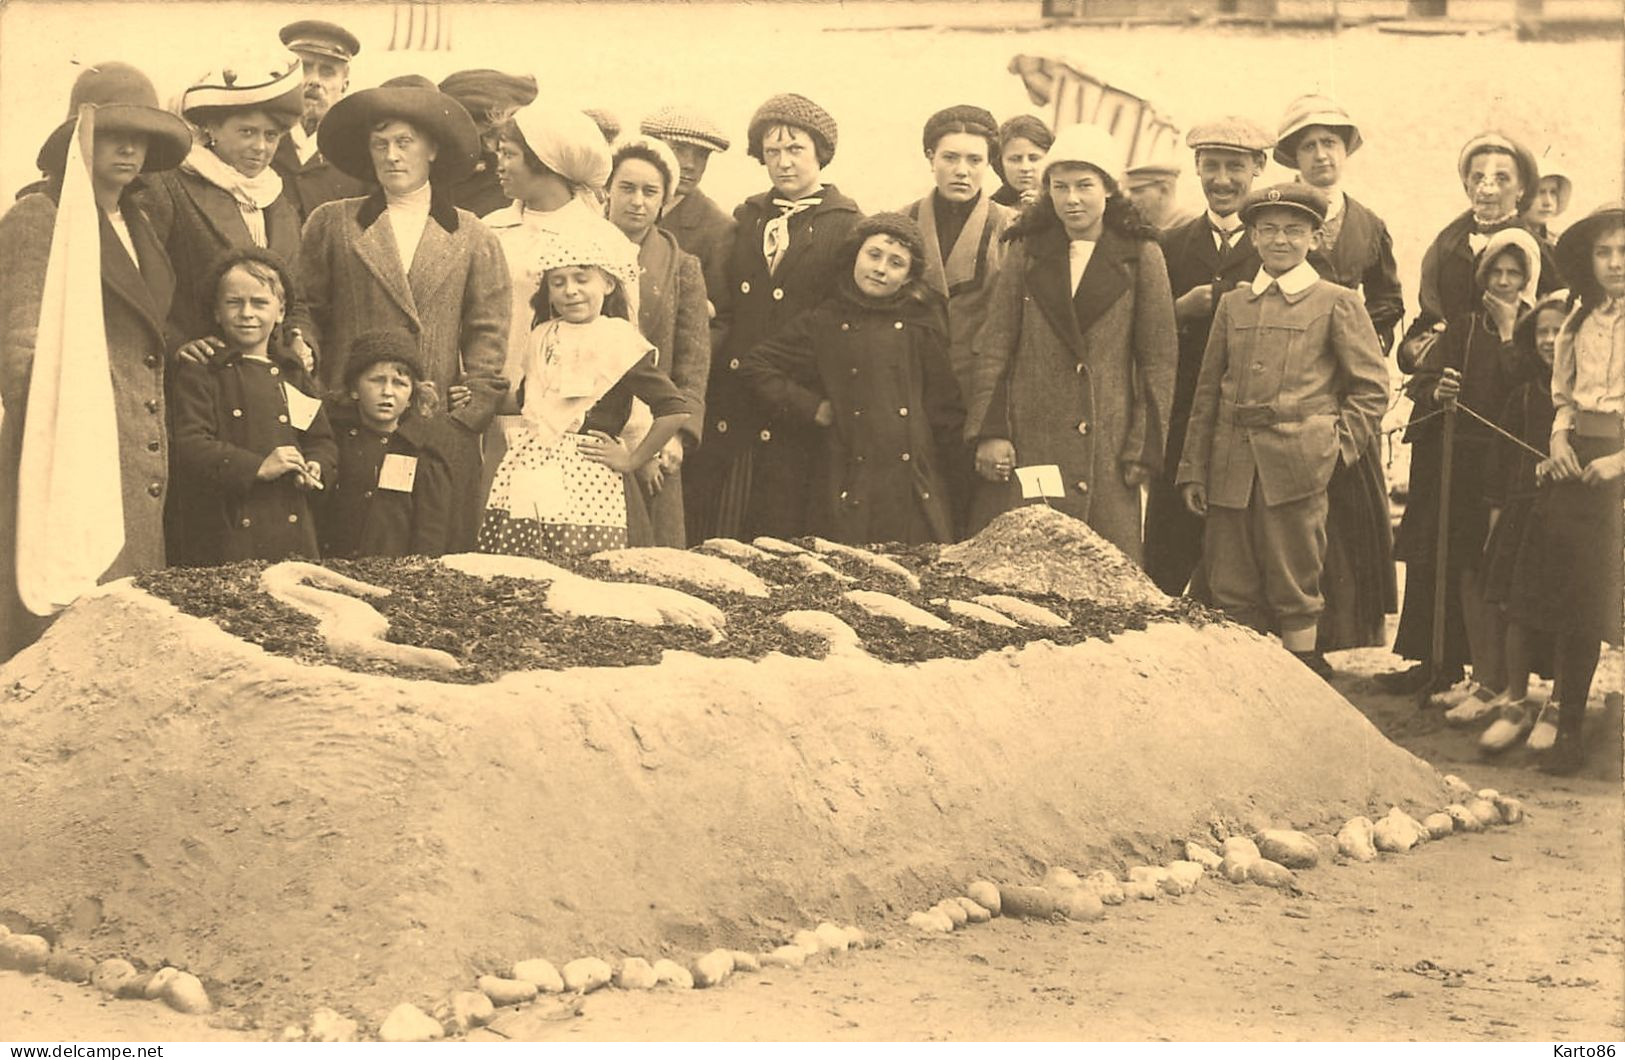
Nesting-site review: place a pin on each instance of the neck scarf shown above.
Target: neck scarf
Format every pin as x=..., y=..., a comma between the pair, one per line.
x=776, y=234
x=251, y=194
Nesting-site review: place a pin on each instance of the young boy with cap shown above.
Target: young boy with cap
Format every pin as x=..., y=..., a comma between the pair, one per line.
x=1207, y=256
x=325, y=49
x=700, y=225
x=1292, y=380
x=391, y=495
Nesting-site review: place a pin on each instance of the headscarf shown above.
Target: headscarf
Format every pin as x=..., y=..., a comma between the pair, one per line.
x=567, y=142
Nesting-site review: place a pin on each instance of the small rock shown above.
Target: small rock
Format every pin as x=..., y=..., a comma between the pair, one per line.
x=112, y=975
x=1080, y=904
x=669, y=973
x=1463, y=819
x=1202, y=856
x=293, y=1032
x=185, y=993
x=408, y=1023
x=136, y=989
x=832, y=938
x=25, y=953
x=1354, y=840
x=1458, y=786
x=542, y=973
x=749, y=962
x=465, y=1010
x=1488, y=794
x=974, y=912
x=1484, y=811
x=586, y=974
x=69, y=967
x=1060, y=879
x=160, y=982
x=1106, y=886
x=986, y=895
x=1295, y=850
x=1327, y=843
x=1438, y=825
x=1235, y=869
x=1409, y=822
x=1267, y=873
x=1511, y=810
x=713, y=968
x=1144, y=890
x=506, y=991
x=1152, y=874
x=635, y=973
x=1393, y=835
x=795, y=956
x=953, y=911
x=809, y=941
x=858, y=939
x=328, y=1026
x=1239, y=848
x=1027, y=902
x=932, y=921
x=1186, y=874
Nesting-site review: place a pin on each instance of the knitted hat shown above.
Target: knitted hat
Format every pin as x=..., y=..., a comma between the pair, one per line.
x=898, y=226
x=630, y=147
x=125, y=101
x=324, y=39
x=565, y=141
x=1574, y=246
x=608, y=124
x=1294, y=196
x=374, y=347
x=1305, y=111
x=974, y=120
x=343, y=135
x=1528, y=169
x=273, y=83
x=798, y=112
x=684, y=125
x=1524, y=242
x=1230, y=134
x=1088, y=145
x=489, y=96
x=1021, y=127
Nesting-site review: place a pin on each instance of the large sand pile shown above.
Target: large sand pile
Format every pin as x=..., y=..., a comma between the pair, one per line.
x=301, y=835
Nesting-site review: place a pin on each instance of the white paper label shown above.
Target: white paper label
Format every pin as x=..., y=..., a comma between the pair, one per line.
x=302, y=408
x=1040, y=480
x=398, y=473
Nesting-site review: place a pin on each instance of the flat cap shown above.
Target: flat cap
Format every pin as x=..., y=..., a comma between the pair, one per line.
x=1294, y=196
x=314, y=37
x=1230, y=133
x=1150, y=173
x=684, y=125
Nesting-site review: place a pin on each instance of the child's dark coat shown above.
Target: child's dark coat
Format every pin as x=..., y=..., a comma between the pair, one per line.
x=357, y=518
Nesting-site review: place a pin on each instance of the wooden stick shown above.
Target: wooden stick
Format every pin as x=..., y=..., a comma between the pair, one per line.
x=1441, y=573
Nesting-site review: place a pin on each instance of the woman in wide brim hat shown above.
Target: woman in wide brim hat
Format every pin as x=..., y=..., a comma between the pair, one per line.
x=132, y=136
x=344, y=134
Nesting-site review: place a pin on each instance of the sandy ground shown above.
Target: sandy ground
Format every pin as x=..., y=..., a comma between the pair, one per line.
x=1512, y=935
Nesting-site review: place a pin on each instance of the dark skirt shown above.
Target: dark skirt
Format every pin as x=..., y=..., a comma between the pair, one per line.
x=1570, y=566
x=1358, y=579
x=1417, y=545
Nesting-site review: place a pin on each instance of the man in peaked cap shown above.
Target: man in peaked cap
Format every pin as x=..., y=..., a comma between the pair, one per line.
x=326, y=50
x=1207, y=256
x=700, y=225
x=1151, y=188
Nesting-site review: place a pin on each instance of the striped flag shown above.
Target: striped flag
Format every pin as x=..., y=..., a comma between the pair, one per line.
x=1075, y=97
x=70, y=511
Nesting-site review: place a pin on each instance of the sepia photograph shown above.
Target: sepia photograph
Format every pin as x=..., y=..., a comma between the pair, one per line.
x=900, y=521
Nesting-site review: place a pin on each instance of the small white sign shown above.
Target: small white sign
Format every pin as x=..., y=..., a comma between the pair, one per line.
x=398, y=473
x=302, y=408
x=1040, y=480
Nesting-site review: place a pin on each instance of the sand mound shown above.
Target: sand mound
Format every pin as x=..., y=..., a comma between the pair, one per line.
x=1036, y=549
x=300, y=835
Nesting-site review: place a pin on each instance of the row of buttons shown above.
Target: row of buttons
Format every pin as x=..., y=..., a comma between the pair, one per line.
x=898, y=324
x=245, y=522
x=778, y=292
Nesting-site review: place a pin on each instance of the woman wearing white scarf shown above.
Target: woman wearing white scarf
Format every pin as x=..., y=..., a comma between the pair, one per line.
x=226, y=195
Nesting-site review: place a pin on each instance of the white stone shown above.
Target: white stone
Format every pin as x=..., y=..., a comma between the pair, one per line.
x=1267, y=873
x=25, y=953
x=1354, y=840
x=935, y=923
x=978, y=613
x=1144, y=890
x=1202, y=856
x=112, y=975
x=506, y=991
x=1060, y=878
x=1152, y=874
x=1457, y=786
x=680, y=568
x=669, y=973
x=817, y=567
x=953, y=911
x=788, y=956
x=985, y=894
x=586, y=974
x=1484, y=811
x=542, y=973
x=1511, y=809
x=465, y=1010
x=1438, y=825
x=1463, y=818
x=975, y=912
x=635, y=973
x=841, y=638
x=159, y=983
x=1295, y=850
x=713, y=968
x=831, y=937
x=408, y=1023
x=808, y=941
x=1186, y=874
x=885, y=605
x=1240, y=848
x=327, y=1025
x=1393, y=835
x=745, y=961
x=185, y=993
x=1108, y=887
x=858, y=939
x=1488, y=793
x=1081, y=904
x=1026, y=613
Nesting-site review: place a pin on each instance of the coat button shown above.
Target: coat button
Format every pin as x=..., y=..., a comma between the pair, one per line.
x=1083, y=426
x=151, y=360
x=1078, y=368
x=153, y=446
x=411, y=327
x=733, y=364
x=925, y=495
x=722, y=426
x=898, y=324
x=744, y=287
x=857, y=412
x=282, y=417
x=1083, y=487
x=293, y=517
x=367, y=493
x=902, y=412
x=1258, y=366
x=904, y=457
x=845, y=326
x=275, y=370
x=853, y=371
x=245, y=523
x=859, y=458
x=354, y=431
x=152, y=406
x=155, y=489
x=778, y=294
x=236, y=414
x=766, y=436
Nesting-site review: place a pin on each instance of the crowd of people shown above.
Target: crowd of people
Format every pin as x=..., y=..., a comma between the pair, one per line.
x=421, y=318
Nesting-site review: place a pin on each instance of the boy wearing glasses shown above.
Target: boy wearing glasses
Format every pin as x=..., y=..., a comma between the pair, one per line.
x=1293, y=380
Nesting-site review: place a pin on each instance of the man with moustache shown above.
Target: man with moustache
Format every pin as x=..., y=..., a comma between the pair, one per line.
x=326, y=50
x=1207, y=256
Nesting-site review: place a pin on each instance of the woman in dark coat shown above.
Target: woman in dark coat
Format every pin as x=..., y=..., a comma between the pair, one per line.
x=1359, y=582
x=672, y=315
x=132, y=136
x=1075, y=366
x=869, y=367
x=750, y=476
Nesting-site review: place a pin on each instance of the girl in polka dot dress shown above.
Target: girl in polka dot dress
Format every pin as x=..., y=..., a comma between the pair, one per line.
x=563, y=484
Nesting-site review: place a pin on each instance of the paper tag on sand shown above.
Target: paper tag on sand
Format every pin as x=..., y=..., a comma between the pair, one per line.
x=398, y=473
x=1040, y=480
x=302, y=408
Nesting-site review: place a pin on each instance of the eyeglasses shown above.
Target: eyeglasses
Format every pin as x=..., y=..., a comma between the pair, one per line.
x=1268, y=232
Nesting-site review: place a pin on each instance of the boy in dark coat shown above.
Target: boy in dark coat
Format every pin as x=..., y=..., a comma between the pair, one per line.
x=869, y=366
x=251, y=441
x=392, y=494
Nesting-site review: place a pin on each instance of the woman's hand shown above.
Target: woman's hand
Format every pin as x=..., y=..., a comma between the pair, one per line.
x=1194, y=494
x=457, y=396
x=1603, y=470
x=1564, y=464
x=604, y=449
x=200, y=351
x=671, y=455
x=1135, y=474
x=651, y=476
x=825, y=415
x=1195, y=303
x=995, y=459
x=1448, y=389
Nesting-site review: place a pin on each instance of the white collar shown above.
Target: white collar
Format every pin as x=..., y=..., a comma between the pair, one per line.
x=1294, y=281
x=417, y=200
x=1335, y=202
x=297, y=133
x=1228, y=223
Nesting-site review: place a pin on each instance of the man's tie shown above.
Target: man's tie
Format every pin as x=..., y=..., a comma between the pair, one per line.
x=776, y=234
